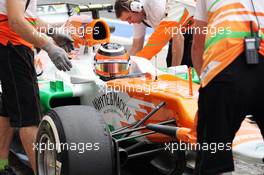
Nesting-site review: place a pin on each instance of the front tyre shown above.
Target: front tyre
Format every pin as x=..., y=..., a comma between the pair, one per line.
x=74, y=140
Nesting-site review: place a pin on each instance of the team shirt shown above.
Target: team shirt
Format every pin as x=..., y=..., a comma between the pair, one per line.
x=6, y=33
x=167, y=17
x=230, y=22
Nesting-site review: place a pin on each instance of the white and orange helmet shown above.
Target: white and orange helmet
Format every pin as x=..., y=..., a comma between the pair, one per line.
x=112, y=61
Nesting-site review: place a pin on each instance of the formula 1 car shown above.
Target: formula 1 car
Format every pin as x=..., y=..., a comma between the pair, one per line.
x=112, y=109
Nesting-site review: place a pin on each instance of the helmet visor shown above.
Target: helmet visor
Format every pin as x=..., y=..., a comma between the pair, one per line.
x=112, y=68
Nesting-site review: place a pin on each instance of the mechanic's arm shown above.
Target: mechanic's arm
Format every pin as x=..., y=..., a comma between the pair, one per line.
x=158, y=39
x=200, y=23
x=168, y=28
x=42, y=26
x=61, y=38
x=198, y=46
x=18, y=23
x=177, y=49
x=137, y=45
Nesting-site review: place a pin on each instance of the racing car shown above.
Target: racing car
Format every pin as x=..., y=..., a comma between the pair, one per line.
x=113, y=109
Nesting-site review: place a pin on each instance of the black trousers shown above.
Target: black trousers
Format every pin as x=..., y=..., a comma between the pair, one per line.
x=223, y=104
x=20, y=93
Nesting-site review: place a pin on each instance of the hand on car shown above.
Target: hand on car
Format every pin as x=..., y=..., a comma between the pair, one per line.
x=61, y=39
x=58, y=56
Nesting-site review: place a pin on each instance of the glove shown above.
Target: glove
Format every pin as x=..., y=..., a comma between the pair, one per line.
x=62, y=40
x=58, y=56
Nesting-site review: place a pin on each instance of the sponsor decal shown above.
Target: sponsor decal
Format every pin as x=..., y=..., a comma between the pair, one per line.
x=112, y=99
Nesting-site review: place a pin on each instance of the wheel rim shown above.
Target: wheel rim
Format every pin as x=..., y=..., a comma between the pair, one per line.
x=46, y=156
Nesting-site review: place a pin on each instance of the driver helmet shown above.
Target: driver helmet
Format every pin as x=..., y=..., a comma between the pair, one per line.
x=112, y=61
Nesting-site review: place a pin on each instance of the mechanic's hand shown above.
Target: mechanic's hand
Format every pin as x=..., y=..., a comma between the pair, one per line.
x=58, y=56
x=62, y=40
